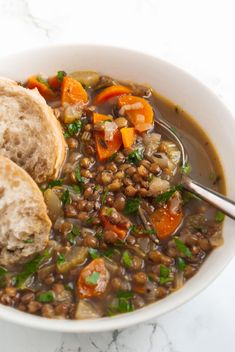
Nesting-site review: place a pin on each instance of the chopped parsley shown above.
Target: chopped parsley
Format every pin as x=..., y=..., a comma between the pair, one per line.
x=73, y=128
x=90, y=220
x=77, y=189
x=150, y=232
x=135, y=156
x=112, y=157
x=69, y=286
x=3, y=271
x=109, y=211
x=180, y=263
x=94, y=253
x=71, y=237
x=126, y=259
x=93, y=278
x=79, y=178
x=29, y=240
x=182, y=248
x=187, y=196
x=219, y=216
x=30, y=268
x=186, y=169
x=60, y=75
x=108, y=253
x=43, y=81
x=131, y=205
x=104, y=196
x=164, y=275
x=46, y=297
x=60, y=259
x=65, y=198
x=123, y=305
x=55, y=183
x=164, y=197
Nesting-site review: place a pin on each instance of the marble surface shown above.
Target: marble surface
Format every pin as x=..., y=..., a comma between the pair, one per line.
x=197, y=36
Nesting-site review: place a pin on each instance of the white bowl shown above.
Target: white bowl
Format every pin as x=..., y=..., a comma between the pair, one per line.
x=182, y=89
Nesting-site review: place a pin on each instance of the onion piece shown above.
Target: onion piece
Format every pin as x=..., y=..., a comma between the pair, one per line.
x=157, y=185
x=85, y=310
x=110, y=128
x=216, y=240
x=76, y=256
x=179, y=280
x=151, y=142
x=175, y=203
x=53, y=204
x=72, y=112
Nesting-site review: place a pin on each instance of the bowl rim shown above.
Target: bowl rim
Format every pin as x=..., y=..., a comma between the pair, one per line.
x=148, y=312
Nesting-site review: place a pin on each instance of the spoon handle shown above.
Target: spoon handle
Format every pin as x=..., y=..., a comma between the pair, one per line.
x=220, y=202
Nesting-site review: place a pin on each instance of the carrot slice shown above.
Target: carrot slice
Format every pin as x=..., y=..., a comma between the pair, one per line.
x=72, y=91
x=43, y=87
x=100, y=117
x=93, y=279
x=164, y=222
x=141, y=116
x=128, y=136
x=111, y=92
x=107, y=148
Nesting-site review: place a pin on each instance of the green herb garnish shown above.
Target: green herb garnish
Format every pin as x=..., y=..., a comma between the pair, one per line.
x=219, y=216
x=165, y=280
x=30, y=268
x=112, y=157
x=104, y=196
x=77, y=189
x=94, y=253
x=164, y=197
x=60, y=259
x=74, y=127
x=71, y=237
x=90, y=220
x=164, y=275
x=131, y=205
x=3, y=271
x=93, y=278
x=181, y=246
x=180, y=263
x=46, y=297
x=164, y=271
x=109, y=211
x=69, y=286
x=123, y=305
x=43, y=81
x=29, y=240
x=150, y=232
x=187, y=196
x=126, y=259
x=55, y=183
x=79, y=178
x=135, y=156
x=186, y=169
x=60, y=75
x=108, y=253
x=65, y=198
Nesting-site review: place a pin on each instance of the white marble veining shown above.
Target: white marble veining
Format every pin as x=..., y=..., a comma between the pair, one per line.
x=195, y=35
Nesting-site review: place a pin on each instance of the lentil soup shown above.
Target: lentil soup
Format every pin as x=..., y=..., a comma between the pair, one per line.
x=114, y=245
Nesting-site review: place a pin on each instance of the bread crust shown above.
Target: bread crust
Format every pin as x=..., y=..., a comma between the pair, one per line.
x=24, y=223
x=30, y=134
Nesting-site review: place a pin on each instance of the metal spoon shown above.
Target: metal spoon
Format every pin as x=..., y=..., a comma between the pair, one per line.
x=226, y=205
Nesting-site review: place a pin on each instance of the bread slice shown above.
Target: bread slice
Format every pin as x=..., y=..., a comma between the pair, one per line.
x=24, y=223
x=30, y=134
